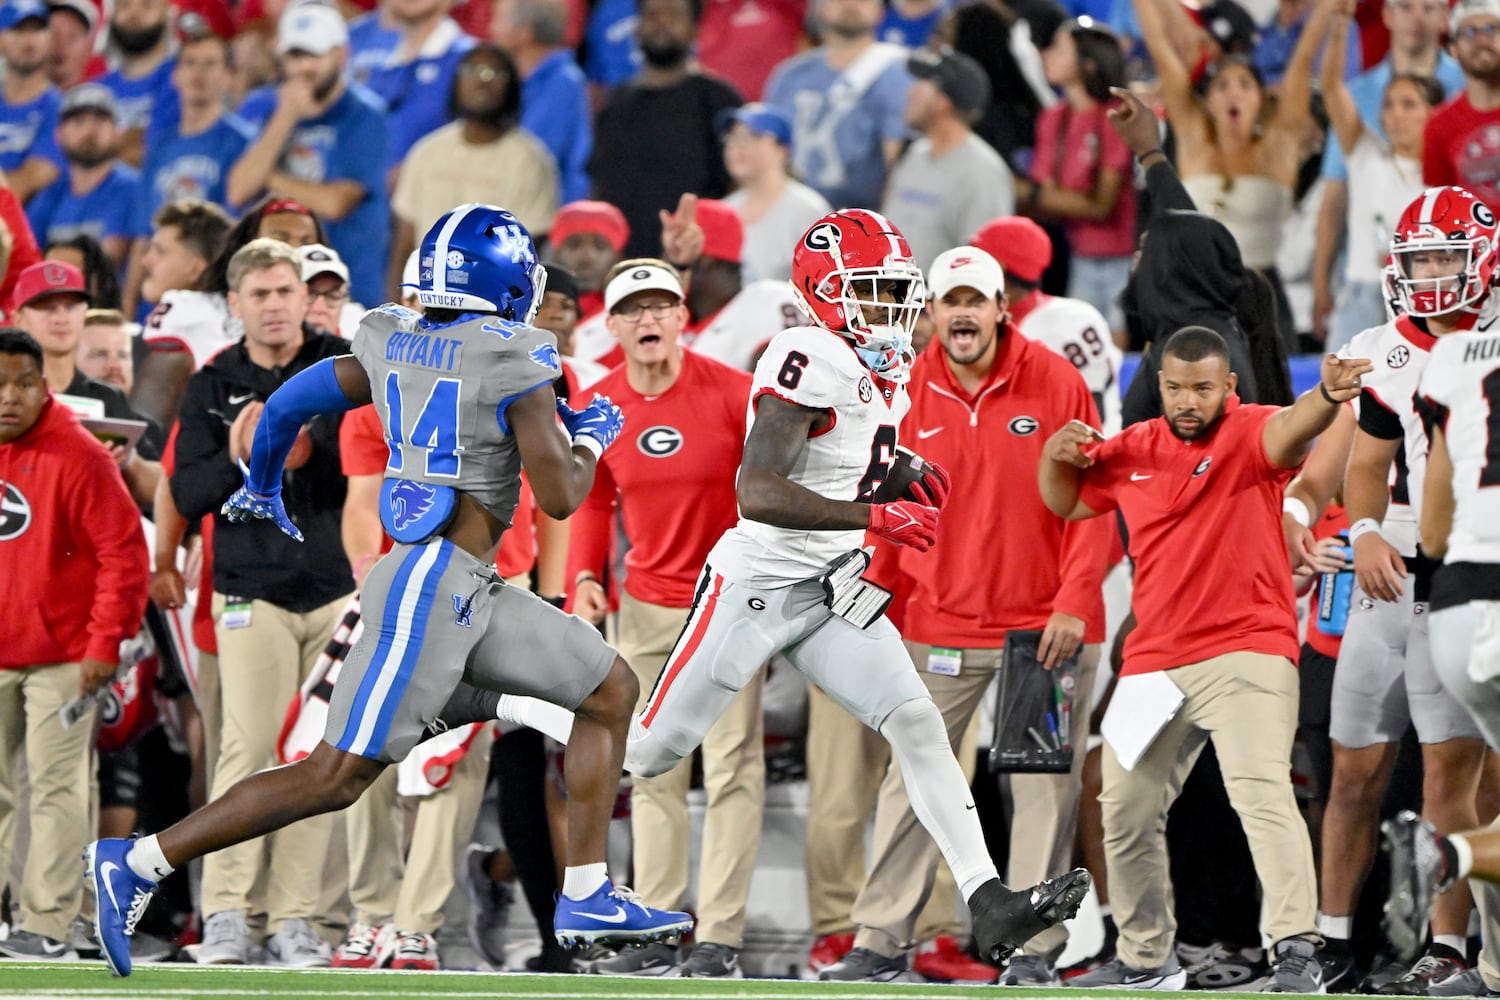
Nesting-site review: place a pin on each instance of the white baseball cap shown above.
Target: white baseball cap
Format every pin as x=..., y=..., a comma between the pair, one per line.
x=1465, y=9
x=965, y=267
x=645, y=278
x=411, y=271
x=318, y=259
x=314, y=28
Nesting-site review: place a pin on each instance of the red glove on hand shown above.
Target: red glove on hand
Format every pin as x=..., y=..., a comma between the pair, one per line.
x=935, y=493
x=905, y=522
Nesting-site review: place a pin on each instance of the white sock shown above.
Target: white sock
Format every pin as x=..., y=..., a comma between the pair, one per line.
x=1341, y=928
x=938, y=792
x=147, y=861
x=583, y=881
x=1454, y=941
x=533, y=713
x=1465, y=856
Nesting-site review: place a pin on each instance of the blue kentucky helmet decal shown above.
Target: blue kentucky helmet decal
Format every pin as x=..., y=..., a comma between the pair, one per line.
x=480, y=258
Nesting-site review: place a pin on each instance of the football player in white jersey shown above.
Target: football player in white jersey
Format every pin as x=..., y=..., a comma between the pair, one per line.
x=1443, y=261
x=1459, y=394
x=1070, y=327
x=825, y=406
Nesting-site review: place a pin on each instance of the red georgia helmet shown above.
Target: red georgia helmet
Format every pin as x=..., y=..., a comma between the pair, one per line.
x=840, y=268
x=1444, y=220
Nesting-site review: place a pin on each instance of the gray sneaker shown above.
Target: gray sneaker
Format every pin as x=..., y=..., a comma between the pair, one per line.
x=655, y=959
x=589, y=956
x=226, y=939
x=712, y=960
x=489, y=907
x=1468, y=983
x=1115, y=974
x=862, y=965
x=1029, y=970
x=297, y=946
x=33, y=947
x=1295, y=968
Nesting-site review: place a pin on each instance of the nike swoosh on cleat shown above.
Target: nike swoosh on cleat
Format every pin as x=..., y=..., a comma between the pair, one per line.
x=109, y=885
x=617, y=917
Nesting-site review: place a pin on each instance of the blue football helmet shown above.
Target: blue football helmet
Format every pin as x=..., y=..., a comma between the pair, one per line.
x=479, y=258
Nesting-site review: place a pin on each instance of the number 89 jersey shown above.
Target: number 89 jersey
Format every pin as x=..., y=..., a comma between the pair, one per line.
x=848, y=460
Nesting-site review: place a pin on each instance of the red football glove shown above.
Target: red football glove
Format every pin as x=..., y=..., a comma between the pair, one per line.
x=905, y=522
x=933, y=493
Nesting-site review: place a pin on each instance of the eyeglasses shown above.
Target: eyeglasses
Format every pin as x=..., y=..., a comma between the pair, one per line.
x=1471, y=32
x=635, y=312
x=481, y=72
x=333, y=298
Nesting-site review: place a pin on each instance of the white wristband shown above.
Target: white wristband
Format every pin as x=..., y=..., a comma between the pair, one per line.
x=1298, y=510
x=1363, y=526
x=590, y=442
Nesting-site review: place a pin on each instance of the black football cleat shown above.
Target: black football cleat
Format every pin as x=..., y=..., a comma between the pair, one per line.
x=1005, y=918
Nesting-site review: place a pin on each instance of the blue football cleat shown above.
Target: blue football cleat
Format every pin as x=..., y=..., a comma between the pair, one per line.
x=121, y=897
x=614, y=915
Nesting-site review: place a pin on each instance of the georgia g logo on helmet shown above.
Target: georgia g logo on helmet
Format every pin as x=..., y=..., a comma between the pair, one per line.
x=823, y=237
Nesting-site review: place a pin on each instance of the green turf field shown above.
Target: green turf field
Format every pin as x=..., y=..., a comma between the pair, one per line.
x=91, y=981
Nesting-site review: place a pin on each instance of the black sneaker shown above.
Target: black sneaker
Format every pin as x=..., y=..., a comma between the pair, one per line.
x=1384, y=972
x=1004, y=918
x=1219, y=966
x=1296, y=968
x=655, y=959
x=1433, y=968
x=1340, y=969
x=713, y=960
x=862, y=965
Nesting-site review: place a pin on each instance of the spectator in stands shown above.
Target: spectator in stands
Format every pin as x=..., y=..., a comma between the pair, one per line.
x=314, y=134
x=191, y=159
x=327, y=281
x=29, y=103
x=611, y=55
x=140, y=77
x=104, y=352
x=1382, y=167
x=50, y=305
x=1081, y=175
x=73, y=60
x=100, y=274
x=910, y=23
x=1276, y=49
x=554, y=94
x=275, y=601
x=776, y=209
x=18, y=249
x=1417, y=28
x=373, y=36
x=69, y=521
x=484, y=157
x=949, y=182
x=97, y=192
x=777, y=27
x=1461, y=138
x=1003, y=45
x=417, y=78
x=587, y=238
x=847, y=102
x=655, y=138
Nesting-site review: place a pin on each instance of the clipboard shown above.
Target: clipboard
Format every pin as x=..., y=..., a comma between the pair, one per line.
x=1034, y=712
x=1139, y=710
x=115, y=432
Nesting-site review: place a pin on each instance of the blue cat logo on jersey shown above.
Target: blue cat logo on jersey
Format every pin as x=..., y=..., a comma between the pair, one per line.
x=463, y=610
x=504, y=331
x=412, y=512
x=546, y=356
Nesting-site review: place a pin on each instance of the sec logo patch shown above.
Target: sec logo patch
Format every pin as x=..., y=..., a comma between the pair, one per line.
x=866, y=390
x=1023, y=426
x=660, y=442
x=1398, y=357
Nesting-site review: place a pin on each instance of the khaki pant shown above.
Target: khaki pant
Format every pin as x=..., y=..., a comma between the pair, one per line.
x=734, y=777
x=906, y=859
x=410, y=894
x=60, y=766
x=1247, y=704
x=261, y=668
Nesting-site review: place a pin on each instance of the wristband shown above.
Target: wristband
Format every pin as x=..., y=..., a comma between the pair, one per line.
x=1324, y=390
x=584, y=576
x=1141, y=158
x=1298, y=510
x=1363, y=526
x=590, y=442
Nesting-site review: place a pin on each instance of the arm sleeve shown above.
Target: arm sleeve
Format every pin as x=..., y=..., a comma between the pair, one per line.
x=312, y=391
x=1377, y=419
x=205, y=477
x=1085, y=548
x=1166, y=190
x=105, y=513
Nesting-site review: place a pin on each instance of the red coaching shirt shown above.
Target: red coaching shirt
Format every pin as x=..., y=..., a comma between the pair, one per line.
x=1211, y=571
x=675, y=466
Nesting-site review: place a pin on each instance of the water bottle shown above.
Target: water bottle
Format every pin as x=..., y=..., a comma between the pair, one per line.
x=1334, y=591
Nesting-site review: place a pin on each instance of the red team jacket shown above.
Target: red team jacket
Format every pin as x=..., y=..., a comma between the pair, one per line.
x=77, y=569
x=676, y=462
x=1002, y=560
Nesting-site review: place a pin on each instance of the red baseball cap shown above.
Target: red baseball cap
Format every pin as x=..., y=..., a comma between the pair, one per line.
x=723, y=232
x=47, y=277
x=590, y=217
x=1021, y=246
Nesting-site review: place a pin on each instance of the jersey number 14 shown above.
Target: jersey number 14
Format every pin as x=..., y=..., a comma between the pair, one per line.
x=435, y=433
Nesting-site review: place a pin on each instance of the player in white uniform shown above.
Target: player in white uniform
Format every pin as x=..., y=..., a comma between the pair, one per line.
x=825, y=406
x=1070, y=327
x=1384, y=678
x=738, y=333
